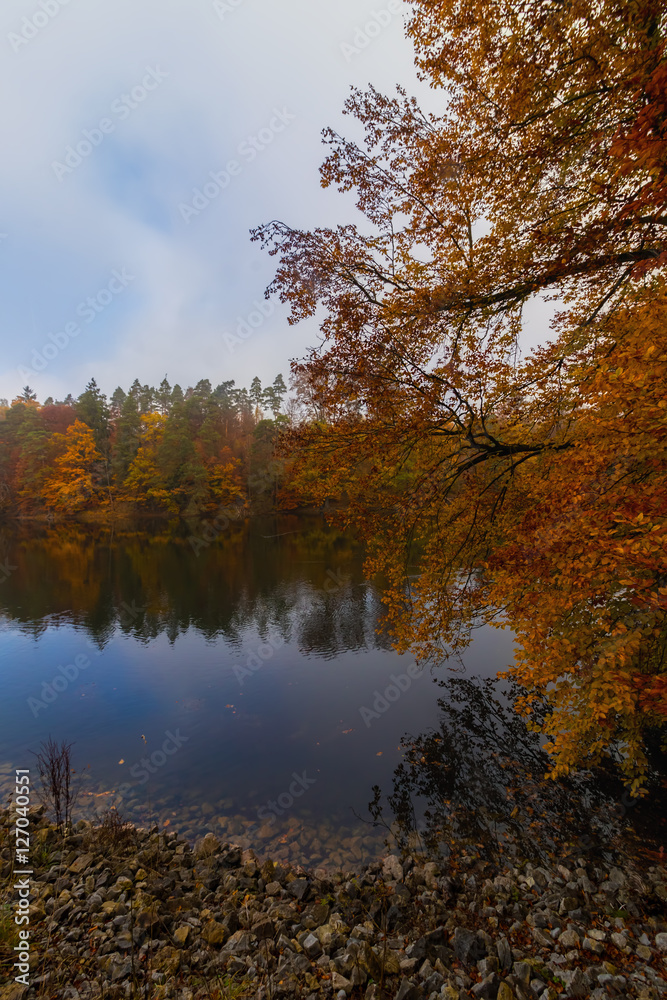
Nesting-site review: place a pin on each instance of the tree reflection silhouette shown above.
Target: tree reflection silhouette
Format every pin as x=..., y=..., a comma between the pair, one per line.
x=479, y=779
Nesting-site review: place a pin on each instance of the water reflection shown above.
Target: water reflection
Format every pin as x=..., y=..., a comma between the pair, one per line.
x=479, y=778
x=256, y=653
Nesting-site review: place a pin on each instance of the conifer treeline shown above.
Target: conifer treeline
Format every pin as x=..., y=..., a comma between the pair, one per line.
x=151, y=450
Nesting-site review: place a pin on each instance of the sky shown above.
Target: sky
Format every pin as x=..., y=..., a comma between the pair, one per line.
x=142, y=142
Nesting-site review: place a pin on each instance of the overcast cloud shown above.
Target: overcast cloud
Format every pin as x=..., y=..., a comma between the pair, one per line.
x=114, y=114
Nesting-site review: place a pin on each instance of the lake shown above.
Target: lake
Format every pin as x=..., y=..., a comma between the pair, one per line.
x=238, y=681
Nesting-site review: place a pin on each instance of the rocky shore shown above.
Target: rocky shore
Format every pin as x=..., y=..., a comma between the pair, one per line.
x=141, y=913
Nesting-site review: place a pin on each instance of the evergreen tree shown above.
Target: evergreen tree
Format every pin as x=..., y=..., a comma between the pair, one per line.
x=126, y=442
x=163, y=396
x=116, y=402
x=92, y=409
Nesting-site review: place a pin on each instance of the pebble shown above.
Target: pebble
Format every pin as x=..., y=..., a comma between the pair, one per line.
x=162, y=918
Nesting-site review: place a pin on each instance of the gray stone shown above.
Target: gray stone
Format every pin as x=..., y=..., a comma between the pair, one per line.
x=569, y=939
x=522, y=972
x=298, y=888
x=341, y=984
x=487, y=989
x=504, y=953
x=238, y=944
x=392, y=869
x=263, y=929
x=311, y=946
x=661, y=941
x=590, y=944
x=576, y=982
x=408, y=991
x=467, y=946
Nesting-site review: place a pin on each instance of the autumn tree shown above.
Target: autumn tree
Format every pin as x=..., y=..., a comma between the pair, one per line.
x=144, y=483
x=530, y=492
x=75, y=480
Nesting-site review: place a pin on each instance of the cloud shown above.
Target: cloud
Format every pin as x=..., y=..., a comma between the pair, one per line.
x=222, y=71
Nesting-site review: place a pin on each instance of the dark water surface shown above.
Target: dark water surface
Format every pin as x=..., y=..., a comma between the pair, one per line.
x=220, y=687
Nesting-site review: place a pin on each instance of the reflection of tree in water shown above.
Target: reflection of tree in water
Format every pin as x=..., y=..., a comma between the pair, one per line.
x=293, y=577
x=343, y=618
x=480, y=778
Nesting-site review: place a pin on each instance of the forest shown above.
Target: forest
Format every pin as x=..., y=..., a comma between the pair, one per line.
x=160, y=451
x=495, y=481
x=491, y=484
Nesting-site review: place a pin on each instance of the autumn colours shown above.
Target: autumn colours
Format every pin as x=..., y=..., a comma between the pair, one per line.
x=492, y=484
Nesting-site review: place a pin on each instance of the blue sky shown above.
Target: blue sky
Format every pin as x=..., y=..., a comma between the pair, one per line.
x=114, y=114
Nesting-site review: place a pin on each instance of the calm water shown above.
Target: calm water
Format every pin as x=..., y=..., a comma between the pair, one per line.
x=220, y=687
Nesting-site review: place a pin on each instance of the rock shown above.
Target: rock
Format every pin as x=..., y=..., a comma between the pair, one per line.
x=522, y=973
x=239, y=943
x=540, y=938
x=311, y=946
x=298, y=888
x=264, y=928
x=431, y=876
x=590, y=944
x=15, y=991
x=505, y=992
x=167, y=960
x=504, y=953
x=644, y=953
x=660, y=941
x=408, y=991
x=81, y=863
x=273, y=889
x=181, y=935
x=433, y=983
x=488, y=988
x=417, y=950
x=621, y=941
x=467, y=946
x=569, y=939
x=214, y=933
x=339, y=982
x=575, y=981
x=392, y=869
x=121, y=969
x=94, y=902
x=567, y=904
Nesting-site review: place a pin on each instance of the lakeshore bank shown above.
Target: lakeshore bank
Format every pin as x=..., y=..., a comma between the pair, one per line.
x=140, y=913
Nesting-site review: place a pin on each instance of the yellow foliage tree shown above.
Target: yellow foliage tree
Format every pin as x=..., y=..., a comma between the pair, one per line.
x=144, y=484
x=73, y=482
